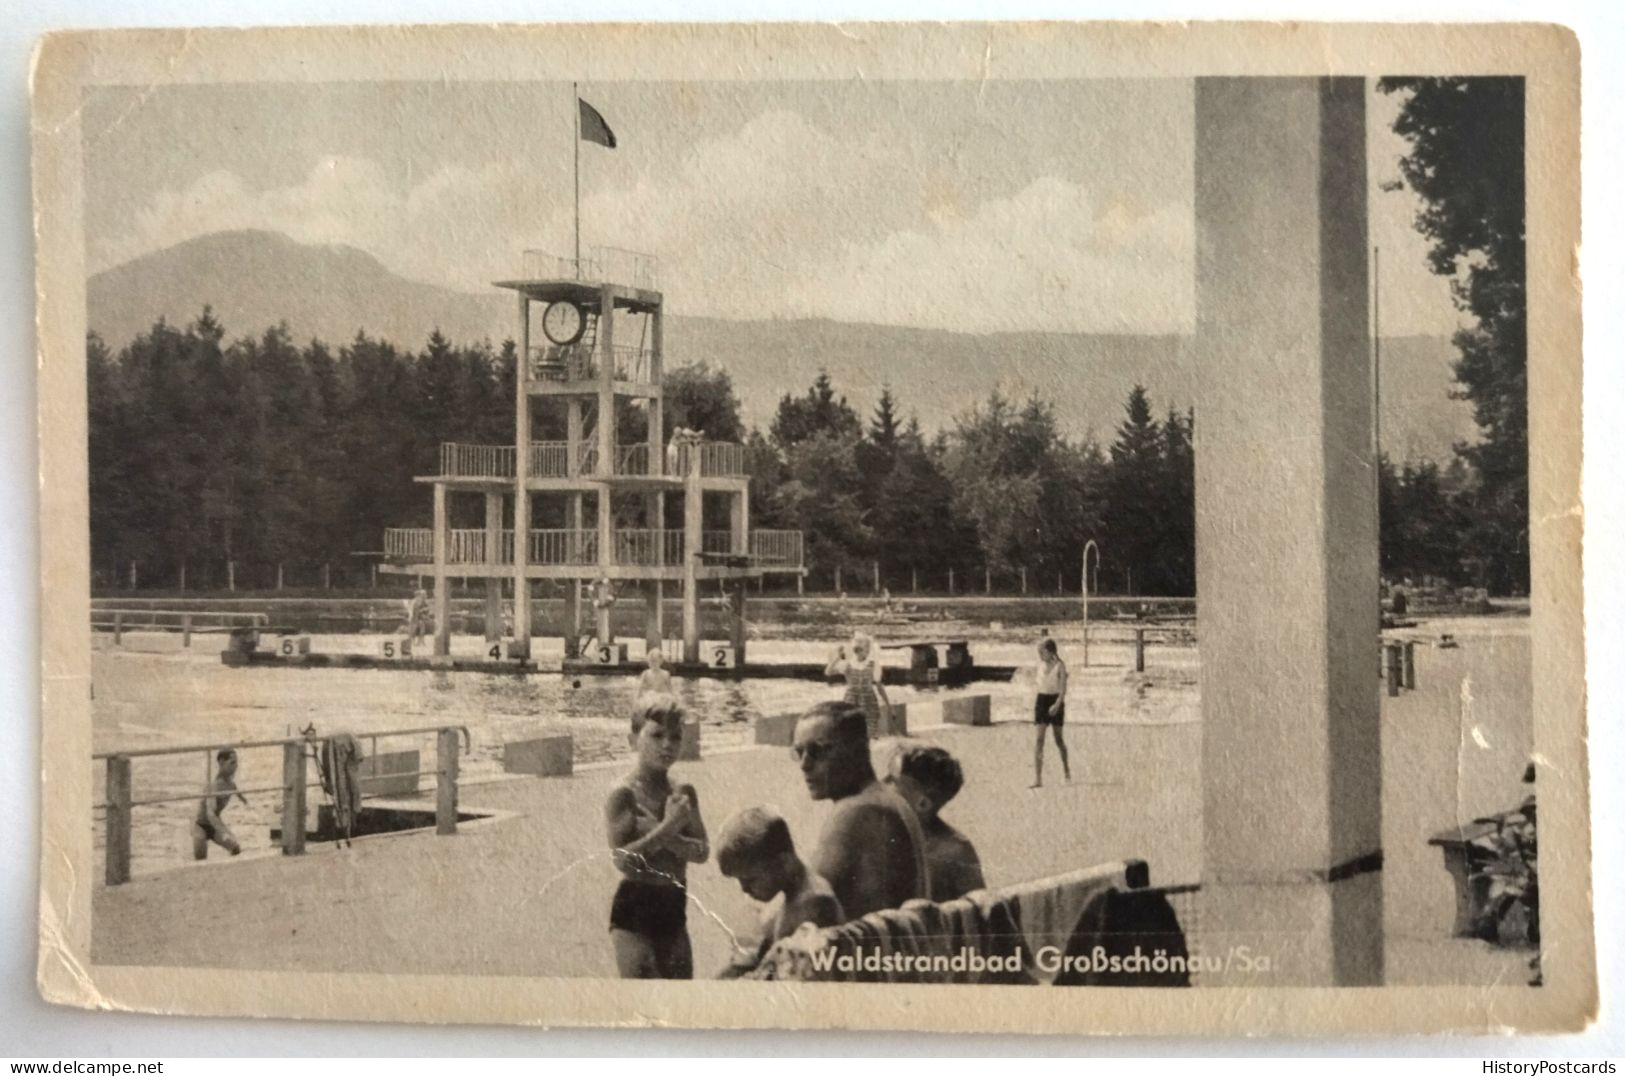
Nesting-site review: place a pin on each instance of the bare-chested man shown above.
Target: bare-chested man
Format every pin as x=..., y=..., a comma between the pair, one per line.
x=871, y=851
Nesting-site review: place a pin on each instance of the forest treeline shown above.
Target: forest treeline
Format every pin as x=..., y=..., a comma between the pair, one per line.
x=289, y=461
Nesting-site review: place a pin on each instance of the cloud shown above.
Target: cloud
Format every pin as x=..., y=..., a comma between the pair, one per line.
x=1046, y=259
x=778, y=217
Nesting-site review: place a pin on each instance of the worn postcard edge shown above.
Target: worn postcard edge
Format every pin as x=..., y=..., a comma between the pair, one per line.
x=1548, y=56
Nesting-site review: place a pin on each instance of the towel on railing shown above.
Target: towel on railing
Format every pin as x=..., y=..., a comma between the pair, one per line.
x=340, y=765
x=1015, y=935
x=1052, y=913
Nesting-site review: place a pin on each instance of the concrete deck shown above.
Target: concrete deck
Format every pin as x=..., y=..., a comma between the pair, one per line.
x=528, y=895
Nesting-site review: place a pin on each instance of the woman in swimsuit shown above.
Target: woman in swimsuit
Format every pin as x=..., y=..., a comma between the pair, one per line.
x=655, y=831
x=863, y=687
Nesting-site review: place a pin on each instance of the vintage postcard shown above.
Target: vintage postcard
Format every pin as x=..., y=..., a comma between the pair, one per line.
x=1008, y=527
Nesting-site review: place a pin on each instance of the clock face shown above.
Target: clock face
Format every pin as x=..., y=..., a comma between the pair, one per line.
x=563, y=322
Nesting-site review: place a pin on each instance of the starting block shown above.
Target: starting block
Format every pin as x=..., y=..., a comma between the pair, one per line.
x=894, y=720
x=550, y=756
x=393, y=648
x=607, y=654
x=971, y=710
x=776, y=730
x=294, y=646
x=718, y=655
x=501, y=650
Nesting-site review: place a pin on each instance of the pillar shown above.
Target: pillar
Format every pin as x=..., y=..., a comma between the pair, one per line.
x=442, y=584
x=738, y=622
x=493, y=556
x=293, y=797
x=693, y=521
x=118, y=820
x=1287, y=554
x=606, y=557
x=521, y=491
x=651, y=614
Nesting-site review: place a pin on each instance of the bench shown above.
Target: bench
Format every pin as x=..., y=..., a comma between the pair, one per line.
x=1465, y=859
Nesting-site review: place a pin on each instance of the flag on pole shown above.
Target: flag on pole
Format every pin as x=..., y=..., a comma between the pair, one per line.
x=593, y=127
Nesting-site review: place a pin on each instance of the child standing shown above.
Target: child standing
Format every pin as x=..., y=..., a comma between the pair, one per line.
x=756, y=851
x=863, y=680
x=655, y=831
x=1049, y=709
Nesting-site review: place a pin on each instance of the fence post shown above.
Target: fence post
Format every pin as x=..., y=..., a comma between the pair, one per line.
x=231, y=576
x=1390, y=667
x=1024, y=581
x=913, y=580
x=950, y=582
x=186, y=629
x=1409, y=668
x=118, y=628
x=1139, y=650
x=445, y=794
x=293, y=798
x=987, y=579
x=118, y=820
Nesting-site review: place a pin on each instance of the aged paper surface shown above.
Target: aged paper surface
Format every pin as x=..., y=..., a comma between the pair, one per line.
x=1029, y=333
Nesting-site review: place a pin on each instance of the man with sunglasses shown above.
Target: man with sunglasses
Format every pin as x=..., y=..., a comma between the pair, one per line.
x=872, y=851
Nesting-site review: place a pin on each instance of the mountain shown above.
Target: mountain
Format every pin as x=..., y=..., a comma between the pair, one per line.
x=254, y=280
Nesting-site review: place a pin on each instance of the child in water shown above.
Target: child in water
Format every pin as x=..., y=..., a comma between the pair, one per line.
x=655, y=831
x=756, y=851
x=654, y=680
x=207, y=826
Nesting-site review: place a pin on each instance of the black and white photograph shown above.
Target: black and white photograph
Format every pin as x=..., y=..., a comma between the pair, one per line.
x=741, y=526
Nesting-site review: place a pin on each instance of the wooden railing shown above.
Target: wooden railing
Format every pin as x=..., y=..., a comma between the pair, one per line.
x=614, y=265
x=718, y=459
x=296, y=751
x=636, y=547
x=632, y=459
x=553, y=547
x=409, y=543
x=776, y=549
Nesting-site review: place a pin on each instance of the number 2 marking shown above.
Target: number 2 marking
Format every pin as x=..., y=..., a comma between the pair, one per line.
x=721, y=658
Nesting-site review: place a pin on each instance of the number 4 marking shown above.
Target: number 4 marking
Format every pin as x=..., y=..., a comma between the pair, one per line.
x=495, y=653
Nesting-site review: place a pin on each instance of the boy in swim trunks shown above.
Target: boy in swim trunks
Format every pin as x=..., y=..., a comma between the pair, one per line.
x=928, y=778
x=655, y=832
x=756, y=850
x=207, y=826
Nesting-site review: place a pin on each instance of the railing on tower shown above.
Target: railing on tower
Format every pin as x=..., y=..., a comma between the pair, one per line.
x=776, y=549
x=601, y=265
x=718, y=459
x=635, y=547
x=562, y=362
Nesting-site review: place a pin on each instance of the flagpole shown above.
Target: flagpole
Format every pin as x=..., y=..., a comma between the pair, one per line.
x=575, y=93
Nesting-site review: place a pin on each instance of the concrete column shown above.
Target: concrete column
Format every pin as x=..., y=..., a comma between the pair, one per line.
x=652, y=593
x=521, y=494
x=118, y=820
x=572, y=438
x=739, y=521
x=606, y=381
x=442, y=583
x=693, y=522
x=1287, y=553
x=737, y=619
x=493, y=583
x=606, y=557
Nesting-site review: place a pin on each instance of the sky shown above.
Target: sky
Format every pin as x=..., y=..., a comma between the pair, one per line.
x=991, y=206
